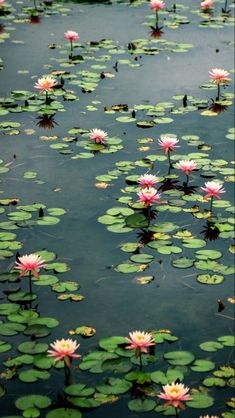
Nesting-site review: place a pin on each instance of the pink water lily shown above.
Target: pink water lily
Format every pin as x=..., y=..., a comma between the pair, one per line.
x=213, y=189
x=45, y=84
x=71, y=35
x=98, y=135
x=175, y=394
x=186, y=166
x=139, y=340
x=64, y=349
x=168, y=143
x=147, y=180
x=2, y=2
x=157, y=5
x=207, y=5
x=219, y=76
x=148, y=196
x=207, y=416
x=29, y=263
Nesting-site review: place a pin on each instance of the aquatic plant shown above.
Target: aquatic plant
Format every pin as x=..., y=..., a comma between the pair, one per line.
x=219, y=76
x=98, y=135
x=29, y=264
x=64, y=349
x=213, y=189
x=157, y=5
x=71, y=36
x=175, y=394
x=187, y=166
x=139, y=340
x=148, y=195
x=207, y=5
x=45, y=85
x=147, y=180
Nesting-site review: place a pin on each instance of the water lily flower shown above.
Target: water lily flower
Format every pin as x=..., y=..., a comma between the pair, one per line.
x=45, y=84
x=213, y=189
x=98, y=135
x=139, y=340
x=186, y=166
x=2, y=2
x=71, y=35
x=29, y=263
x=219, y=76
x=168, y=143
x=157, y=5
x=64, y=349
x=148, y=195
x=207, y=5
x=207, y=416
x=175, y=393
x=147, y=180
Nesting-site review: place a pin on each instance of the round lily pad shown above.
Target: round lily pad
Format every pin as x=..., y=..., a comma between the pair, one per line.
x=26, y=402
x=210, y=279
x=137, y=405
x=211, y=346
x=64, y=413
x=179, y=358
x=200, y=400
x=183, y=263
x=203, y=365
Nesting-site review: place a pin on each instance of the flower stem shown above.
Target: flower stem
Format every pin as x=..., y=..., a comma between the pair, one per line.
x=218, y=93
x=66, y=374
x=211, y=204
x=156, y=19
x=169, y=161
x=141, y=364
x=176, y=413
x=71, y=46
x=187, y=178
x=30, y=282
x=225, y=5
x=148, y=216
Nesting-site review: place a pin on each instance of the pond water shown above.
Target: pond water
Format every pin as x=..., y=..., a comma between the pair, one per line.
x=59, y=192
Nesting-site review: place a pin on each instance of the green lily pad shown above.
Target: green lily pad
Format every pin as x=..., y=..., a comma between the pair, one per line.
x=11, y=328
x=227, y=340
x=79, y=389
x=65, y=286
x=33, y=375
x=200, y=400
x=137, y=220
x=211, y=346
x=142, y=258
x=201, y=365
x=127, y=268
x=111, y=343
x=137, y=405
x=4, y=346
x=205, y=254
x=64, y=413
x=183, y=263
x=214, y=381
x=114, y=386
x=210, y=279
x=31, y=347
x=58, y=267
x=179, y=358
x=29, y=401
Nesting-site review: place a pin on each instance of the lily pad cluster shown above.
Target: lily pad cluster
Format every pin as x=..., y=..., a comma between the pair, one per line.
x=158, y=238
x=122, y=379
